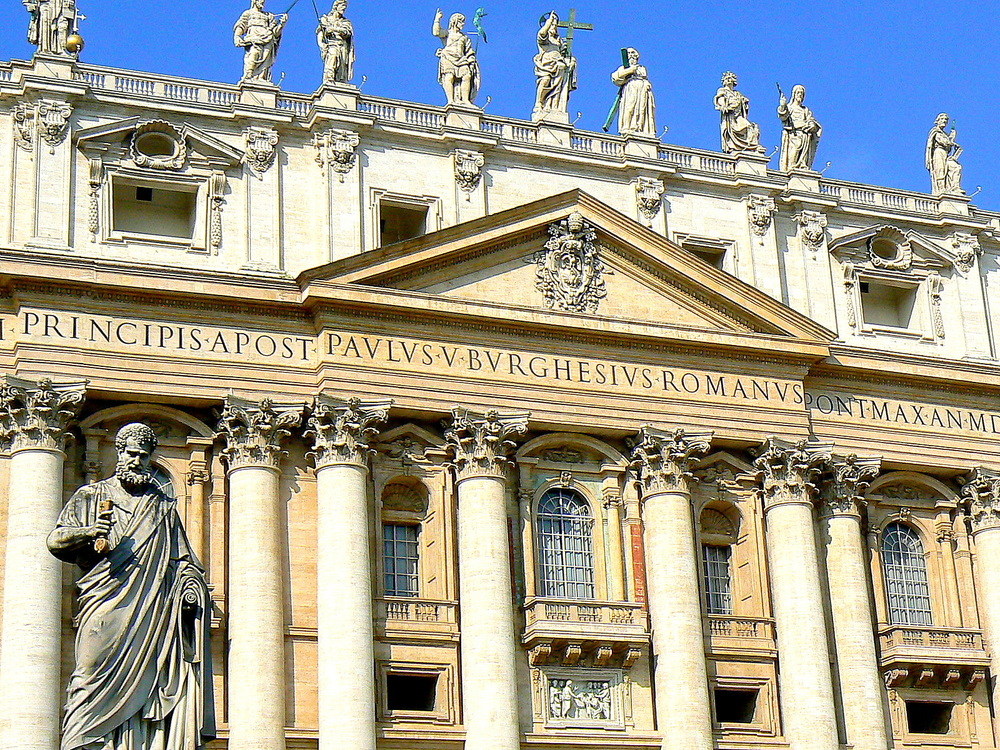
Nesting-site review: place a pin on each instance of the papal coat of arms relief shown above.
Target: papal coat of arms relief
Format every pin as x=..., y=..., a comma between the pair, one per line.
x=569, y=270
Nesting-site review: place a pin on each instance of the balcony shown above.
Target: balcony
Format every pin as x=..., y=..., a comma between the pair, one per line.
x=416, y=618
x=727, y=634
x=926, y=656
x=559, y=631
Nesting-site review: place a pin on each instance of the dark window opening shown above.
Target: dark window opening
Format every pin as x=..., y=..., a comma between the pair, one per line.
x=735, y=706
x=928, y=718
x=398, y=223
x=410, y=692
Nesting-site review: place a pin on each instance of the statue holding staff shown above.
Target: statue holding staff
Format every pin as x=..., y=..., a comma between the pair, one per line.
x=259, y=33
x=458, y=66
x=802, y=132
x=143, y=673
x=636, y=105
x=555, y=70
x=335, y=36
x=942, y=157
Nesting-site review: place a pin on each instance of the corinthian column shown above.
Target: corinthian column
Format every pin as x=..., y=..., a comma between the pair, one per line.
x=982, y=491
x=341, y=432
x=480, y=447
x=806, y=687
x=253, y=433
x=663, y=462
x=842, y=498
x=33, y=422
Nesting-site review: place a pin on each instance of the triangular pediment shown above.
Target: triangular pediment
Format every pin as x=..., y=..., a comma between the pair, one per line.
x=573, y=256
x=888, y=247
x=115, y=139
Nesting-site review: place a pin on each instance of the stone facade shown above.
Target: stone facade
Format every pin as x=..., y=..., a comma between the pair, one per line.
x=480, y=453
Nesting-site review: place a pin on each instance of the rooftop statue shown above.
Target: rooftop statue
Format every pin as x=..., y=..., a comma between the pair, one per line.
x=336, y=41
x=458, y=66
x=259, y=33
x=739, y=135
x=555, y=71
x=636, y=106
x=802, y=131
x=942, y=157
x=143, y=673
x=53, y=26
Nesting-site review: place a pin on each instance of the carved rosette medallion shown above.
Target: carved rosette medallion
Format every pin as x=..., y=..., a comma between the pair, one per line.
x=649, y=196
x=342, y=430
x=845, y=485
x=663, y=461
x=812, y=229
x=260, y=149
x=761, y=210
x=481, y=445
x=36, y=415
x=468, y=170
x=53, y=122
x=982, y=492
x=253, y=431
x=337, y=149
x=789, y=470
x=569, y=271
x=967, y=250
x=24, y=126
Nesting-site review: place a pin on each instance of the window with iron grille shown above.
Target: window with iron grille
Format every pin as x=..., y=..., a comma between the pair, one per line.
x=718, y=585
x=905, y=576
x=565, y=546
x=400, y=559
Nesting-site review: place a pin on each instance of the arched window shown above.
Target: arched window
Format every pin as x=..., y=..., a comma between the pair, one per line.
x=565, y=545
x=718, y=535
x=905, y=576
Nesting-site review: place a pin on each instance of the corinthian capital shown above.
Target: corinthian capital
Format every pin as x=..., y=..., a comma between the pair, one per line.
x=480, y=445
x=789, y=470
x=663, y=460
x=36, y=415
x=341, y=430
x=982, y=491
x=846, y=482
x=253, y=431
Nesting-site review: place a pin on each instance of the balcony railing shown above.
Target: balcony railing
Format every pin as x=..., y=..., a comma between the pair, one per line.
x=899, y=200
x=420, y=618
x=932, y=646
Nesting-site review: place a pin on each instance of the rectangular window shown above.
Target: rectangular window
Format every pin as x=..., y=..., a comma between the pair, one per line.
x=924, y=717
x=154, y=211
x=718, y=586
x=401, y=556
x=735, y=706
x=888, y=305
x=411, y=693
x=399, y=222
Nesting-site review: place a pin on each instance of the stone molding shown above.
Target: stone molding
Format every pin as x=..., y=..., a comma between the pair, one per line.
x=480, y=445
x=664, y=461
x=260, y=149
x=337, y=149
x=468, y=169
x=342, y=430
x=982, y=492
x=789, y=470
x=37, y=415
x=843, y=489
x=254, y=430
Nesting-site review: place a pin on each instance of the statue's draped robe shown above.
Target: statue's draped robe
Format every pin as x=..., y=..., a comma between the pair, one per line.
x=637, y=111
x=738, y=133
x=337, y=42
x=800, y=137
x=143, y=676
x=555, y=74
x=48, y=24
x=260, y=32
x=942, y=161
x=458, y=58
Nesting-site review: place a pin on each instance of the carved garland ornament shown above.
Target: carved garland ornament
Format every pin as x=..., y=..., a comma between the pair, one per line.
x=260, y=149
x=96, y=178
x=337, y=149
x=342, y=431
x=37, y=415
x=982, y=492
x=649, y=196
x=253, y=431
x=761, y=210
x=468, y=170
x=570, y=271
x=663, y=461
x=480, y=445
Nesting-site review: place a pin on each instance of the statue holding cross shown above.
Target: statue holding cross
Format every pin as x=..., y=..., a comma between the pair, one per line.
x=555, y=67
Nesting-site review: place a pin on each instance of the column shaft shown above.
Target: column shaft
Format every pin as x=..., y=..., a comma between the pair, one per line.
x=987, y=554
x=256, y=611
x=854, y=633
x=489, y=646
x=806, y=685
x=344, y=609
x=30, y=638
x=683, y=707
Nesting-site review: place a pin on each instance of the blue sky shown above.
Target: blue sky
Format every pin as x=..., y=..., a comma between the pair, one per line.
x=877, y=73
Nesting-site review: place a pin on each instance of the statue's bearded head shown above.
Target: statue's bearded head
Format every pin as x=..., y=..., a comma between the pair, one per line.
x=135, y=444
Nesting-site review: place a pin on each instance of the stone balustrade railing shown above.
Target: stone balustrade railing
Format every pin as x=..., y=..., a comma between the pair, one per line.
x=929, y=648
x=607, y=613
x=881, y=198
x=740, y=627
x=417, y=611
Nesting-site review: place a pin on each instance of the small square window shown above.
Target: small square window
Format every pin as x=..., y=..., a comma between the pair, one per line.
x=924, y=717
x=144, y=194
x=411, y=692
x=735, y=706
x=888, y=305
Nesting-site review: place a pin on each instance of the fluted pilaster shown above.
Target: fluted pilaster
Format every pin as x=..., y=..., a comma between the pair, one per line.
x=341, y=432
x=34, y=418
x=663, y=463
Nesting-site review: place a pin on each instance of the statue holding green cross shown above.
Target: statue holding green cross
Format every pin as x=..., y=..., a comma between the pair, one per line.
x=555, y=67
